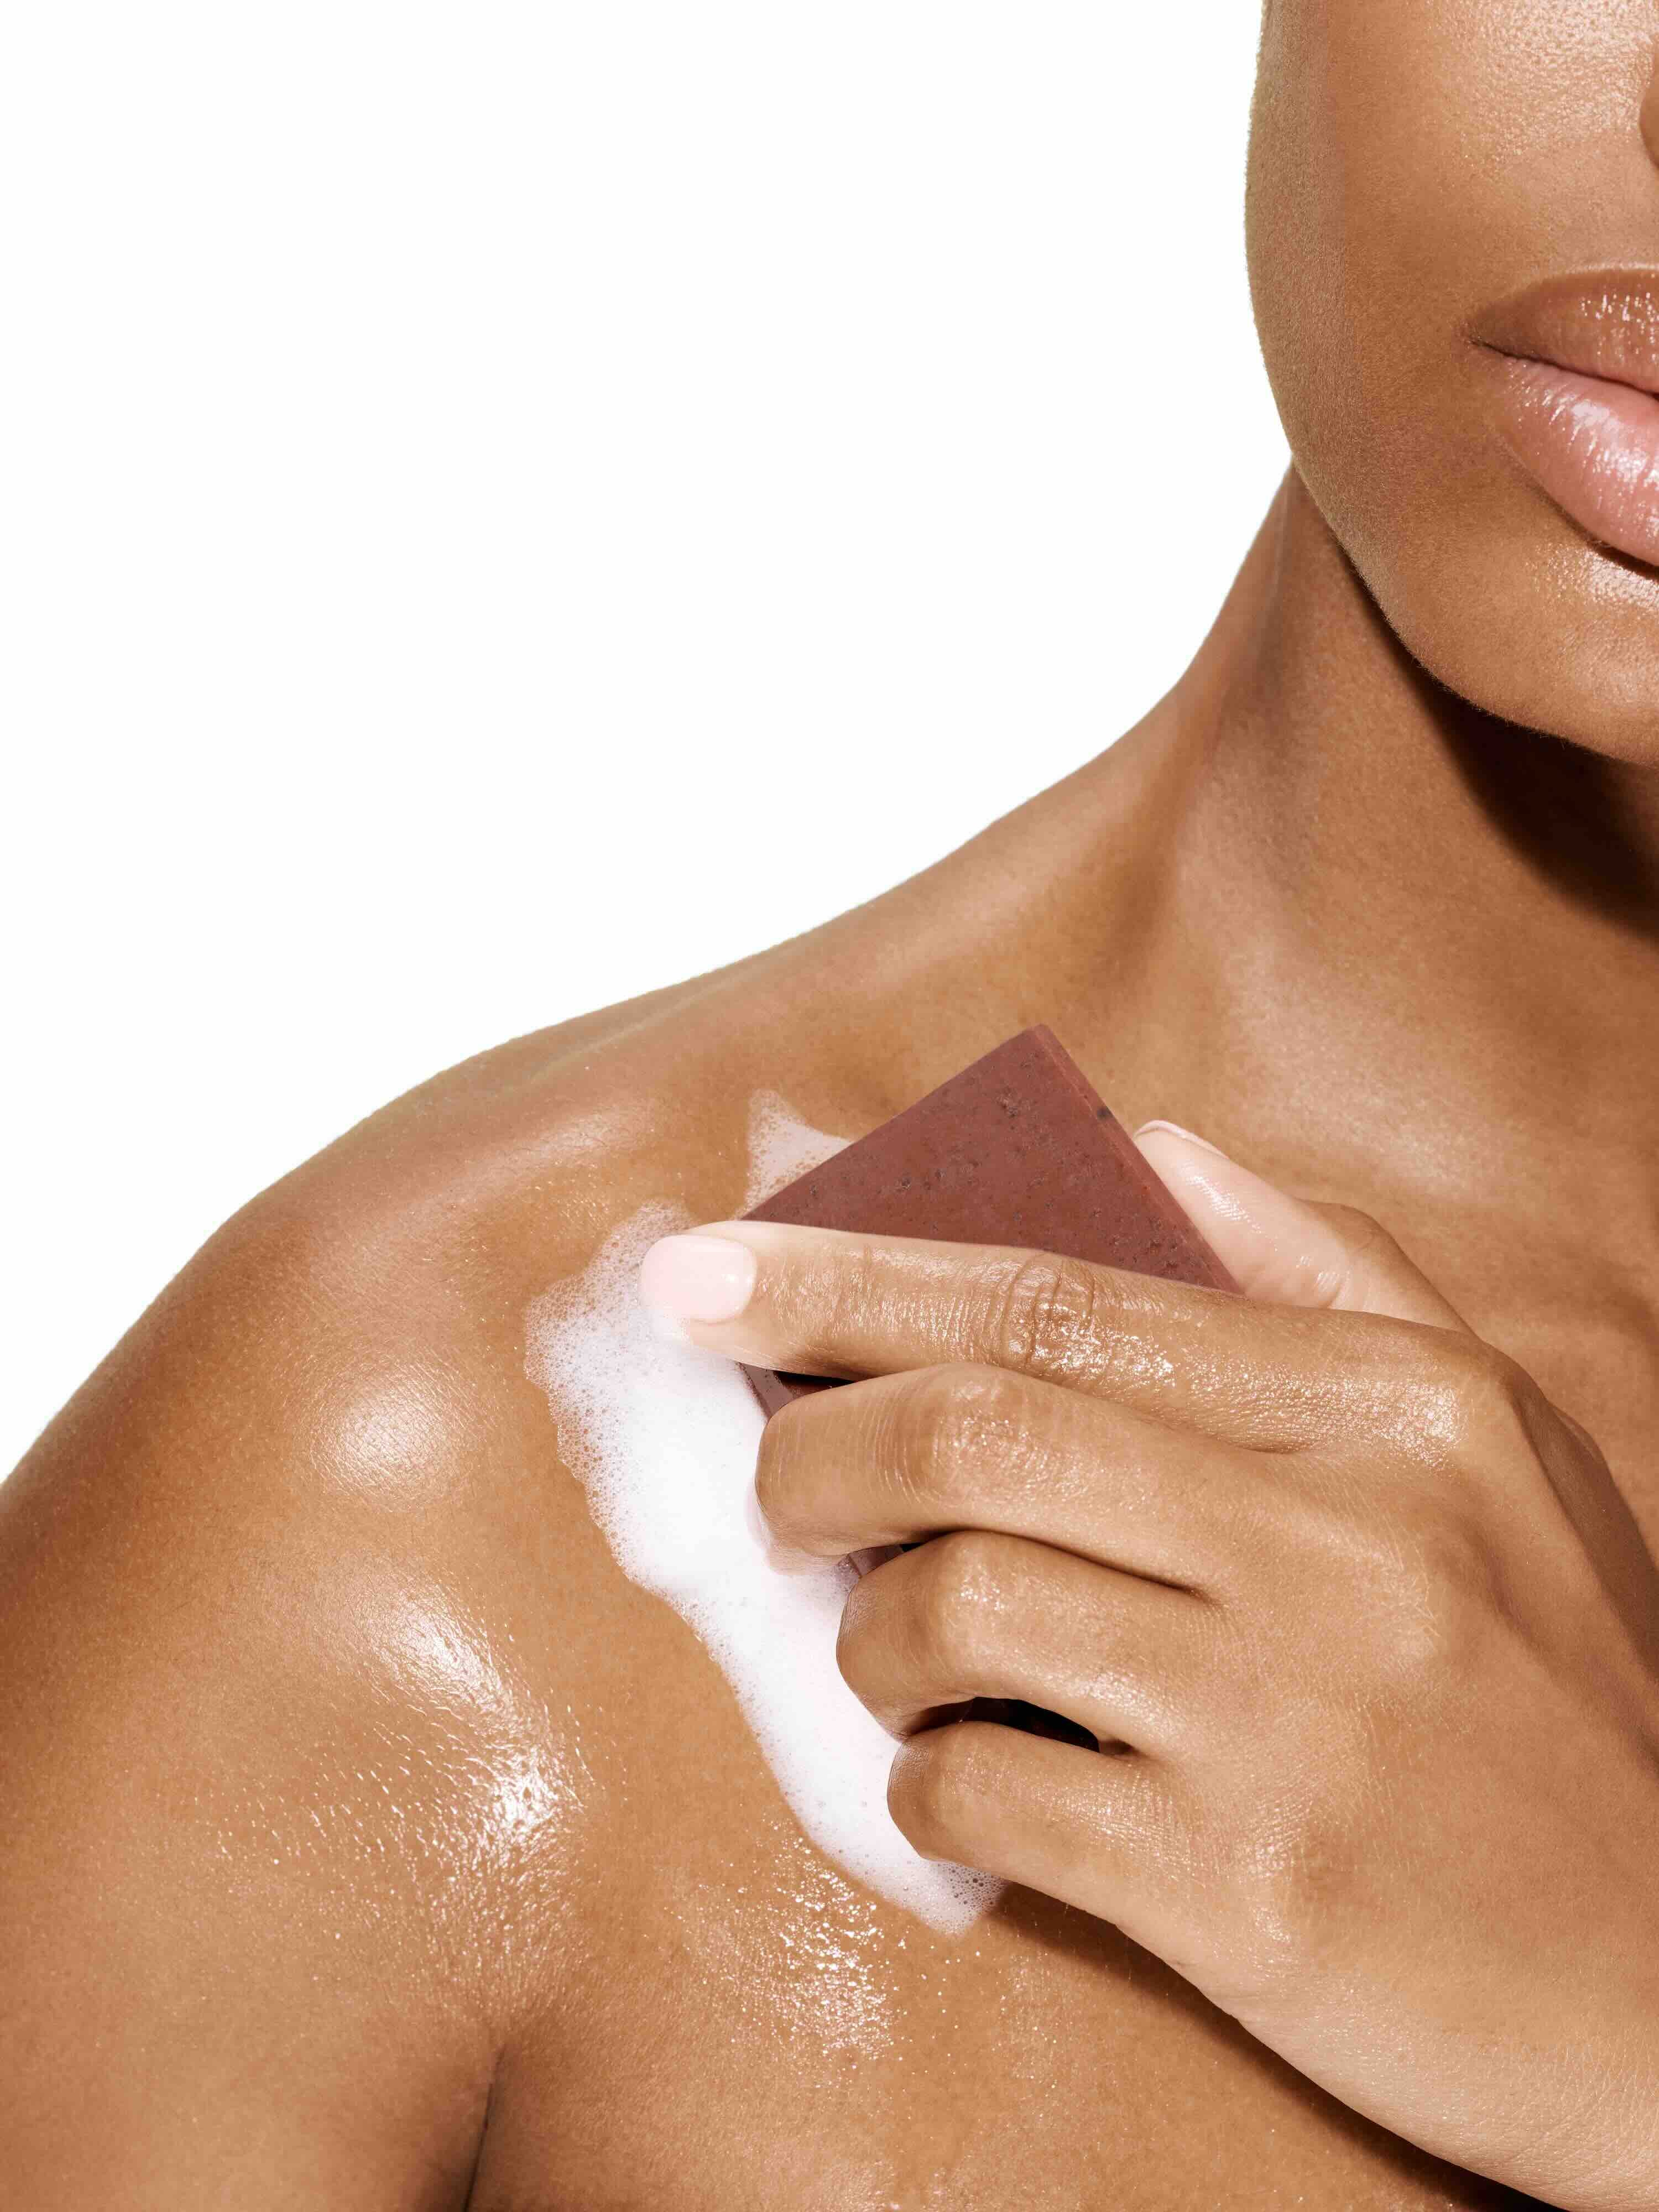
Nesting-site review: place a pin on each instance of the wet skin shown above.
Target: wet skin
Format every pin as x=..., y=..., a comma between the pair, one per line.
x=369, y=1840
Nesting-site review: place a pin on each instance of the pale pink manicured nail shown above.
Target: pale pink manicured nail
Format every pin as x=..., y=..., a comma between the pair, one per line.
x=697, y=1277
x=1175, y=1129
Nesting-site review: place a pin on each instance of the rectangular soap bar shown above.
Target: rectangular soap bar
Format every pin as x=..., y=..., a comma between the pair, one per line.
x=1018, y=1149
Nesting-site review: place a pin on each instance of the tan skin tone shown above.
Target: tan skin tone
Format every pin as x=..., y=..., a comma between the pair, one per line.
x=371, y=1841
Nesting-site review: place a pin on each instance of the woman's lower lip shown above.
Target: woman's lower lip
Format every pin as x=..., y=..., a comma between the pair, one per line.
x=1592, y=445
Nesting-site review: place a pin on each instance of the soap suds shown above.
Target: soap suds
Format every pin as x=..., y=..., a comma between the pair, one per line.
x=781, y=1147
x=663, y=1438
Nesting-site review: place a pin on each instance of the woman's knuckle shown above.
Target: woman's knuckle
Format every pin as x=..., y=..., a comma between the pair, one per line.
x=1412, y=1578
x=777, y=1472
x=1491, y=1402
x=1353, y=1220
x=936, y=1792
x=1361, y=1231
x=956, y=1587
x=1409, y=1572
x=932, y=1428
x=1274, y=1913
x=1044, y=1314
x=857, y=1637
x=1281, y=1871
x=955, y=1419
x=1441, y=1595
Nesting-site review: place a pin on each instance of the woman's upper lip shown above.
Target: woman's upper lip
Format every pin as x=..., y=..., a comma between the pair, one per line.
x=1602, y=322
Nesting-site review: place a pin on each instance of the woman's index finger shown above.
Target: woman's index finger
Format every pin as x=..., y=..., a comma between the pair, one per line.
x=833, y=1302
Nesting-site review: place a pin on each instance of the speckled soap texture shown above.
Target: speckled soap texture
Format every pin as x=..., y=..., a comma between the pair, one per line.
x=1018, y=1149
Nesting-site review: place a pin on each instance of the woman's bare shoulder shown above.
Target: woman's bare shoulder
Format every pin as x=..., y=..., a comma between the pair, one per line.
x=332, y=1400
x=317, y=1631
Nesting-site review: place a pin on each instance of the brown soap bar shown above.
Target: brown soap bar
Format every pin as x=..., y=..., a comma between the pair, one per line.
x=1017, y=1150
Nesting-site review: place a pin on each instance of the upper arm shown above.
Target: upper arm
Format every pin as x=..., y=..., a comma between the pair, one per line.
x=255, y=1730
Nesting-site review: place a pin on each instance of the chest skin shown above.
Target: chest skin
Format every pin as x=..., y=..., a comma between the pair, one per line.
x=757, y=2031
x=704, y=2011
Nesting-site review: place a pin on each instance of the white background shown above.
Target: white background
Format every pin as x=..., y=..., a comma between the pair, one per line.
x=467, y=469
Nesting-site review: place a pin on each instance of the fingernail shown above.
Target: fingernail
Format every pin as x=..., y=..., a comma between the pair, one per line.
x=697, y=1277
x=1175, y=1129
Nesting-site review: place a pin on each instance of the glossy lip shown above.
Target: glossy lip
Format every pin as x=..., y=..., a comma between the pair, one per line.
x=1576, y=398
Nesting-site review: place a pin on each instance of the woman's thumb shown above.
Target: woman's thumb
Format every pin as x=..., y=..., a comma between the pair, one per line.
x=1287, y=1251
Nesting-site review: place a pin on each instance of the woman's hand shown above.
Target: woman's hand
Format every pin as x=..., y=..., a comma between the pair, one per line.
x=1367, y=1637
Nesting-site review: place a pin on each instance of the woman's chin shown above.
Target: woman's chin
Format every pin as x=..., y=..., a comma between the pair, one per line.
x=1532, y=623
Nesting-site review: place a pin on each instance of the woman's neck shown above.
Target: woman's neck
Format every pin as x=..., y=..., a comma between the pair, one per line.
x=1337, y=902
